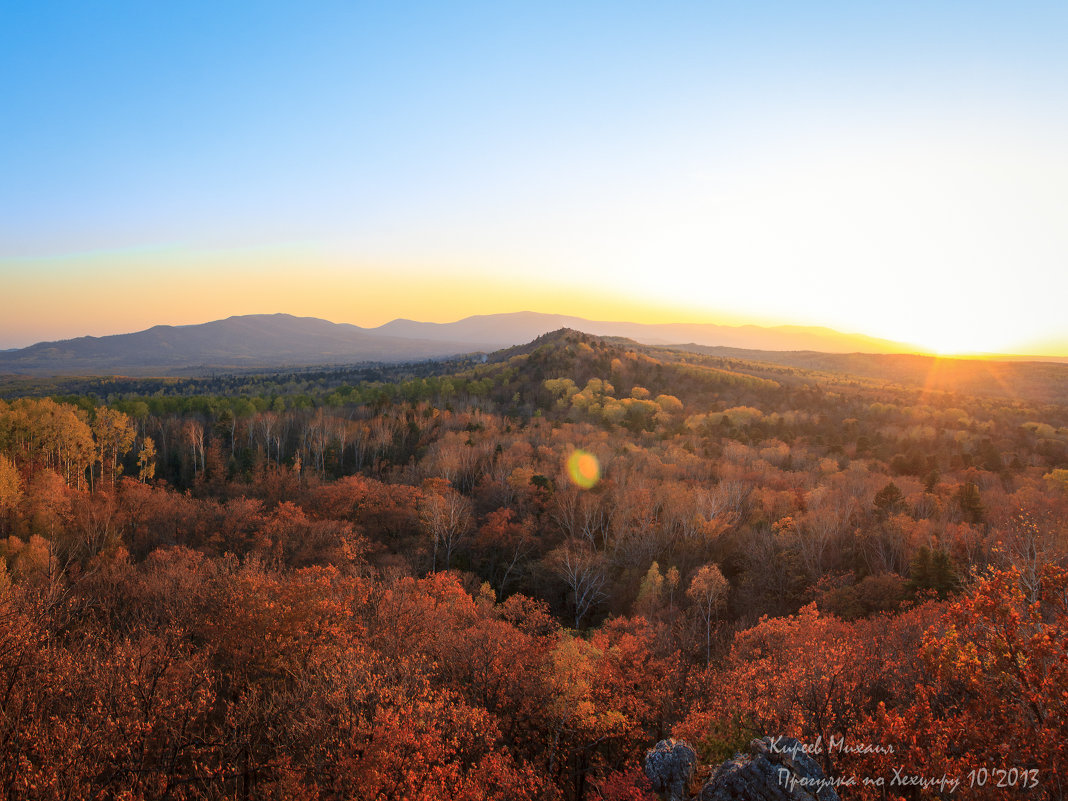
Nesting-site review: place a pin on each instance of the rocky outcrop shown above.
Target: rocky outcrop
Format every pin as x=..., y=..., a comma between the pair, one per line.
x=775, y=769
x=669, y=766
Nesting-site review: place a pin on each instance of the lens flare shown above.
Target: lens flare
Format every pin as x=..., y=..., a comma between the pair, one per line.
x=583, y=468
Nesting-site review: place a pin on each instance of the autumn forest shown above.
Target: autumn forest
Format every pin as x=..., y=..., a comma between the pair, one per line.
x=510, y=577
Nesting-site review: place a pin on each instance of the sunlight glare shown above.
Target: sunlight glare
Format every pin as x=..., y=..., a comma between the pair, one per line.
x=583, y=469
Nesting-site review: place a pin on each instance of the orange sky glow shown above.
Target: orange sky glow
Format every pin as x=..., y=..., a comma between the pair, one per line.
x=118, y=292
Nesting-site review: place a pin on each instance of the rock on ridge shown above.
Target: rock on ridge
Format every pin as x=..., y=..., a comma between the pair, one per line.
x=775, y=769
x=669, y=765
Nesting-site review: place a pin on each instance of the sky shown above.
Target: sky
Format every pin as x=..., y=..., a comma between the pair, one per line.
x=893, y=169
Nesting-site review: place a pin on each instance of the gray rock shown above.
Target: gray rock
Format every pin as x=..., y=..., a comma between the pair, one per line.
x=775, y=769
x=669, y=766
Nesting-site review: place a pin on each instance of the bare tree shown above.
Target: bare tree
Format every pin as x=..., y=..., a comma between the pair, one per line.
x=193, y=434
x=708, y=592
x=585, y=572
x=581, y=514
x=446, y=517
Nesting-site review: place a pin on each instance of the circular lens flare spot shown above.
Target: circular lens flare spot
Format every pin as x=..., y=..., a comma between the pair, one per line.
x=583, y=468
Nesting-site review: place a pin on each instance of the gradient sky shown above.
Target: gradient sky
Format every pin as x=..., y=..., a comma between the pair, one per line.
x=896, y=169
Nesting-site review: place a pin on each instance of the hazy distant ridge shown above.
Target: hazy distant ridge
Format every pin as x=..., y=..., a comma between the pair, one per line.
x=504, y=330
x=276, y=340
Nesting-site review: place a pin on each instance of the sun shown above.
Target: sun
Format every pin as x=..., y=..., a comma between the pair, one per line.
x=951, y=338
x=949, y=346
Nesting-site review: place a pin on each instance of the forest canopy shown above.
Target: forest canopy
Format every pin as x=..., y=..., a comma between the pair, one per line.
x=509, y=578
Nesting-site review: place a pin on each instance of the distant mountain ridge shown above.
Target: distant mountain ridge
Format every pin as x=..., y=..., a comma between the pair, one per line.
x=504, y=330
x=282, y=340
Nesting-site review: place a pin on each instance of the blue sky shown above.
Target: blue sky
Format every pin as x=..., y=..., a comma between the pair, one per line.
x=665, y=156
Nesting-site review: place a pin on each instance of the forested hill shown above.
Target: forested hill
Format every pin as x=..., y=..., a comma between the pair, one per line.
x=564, y=351
x=500, y=375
